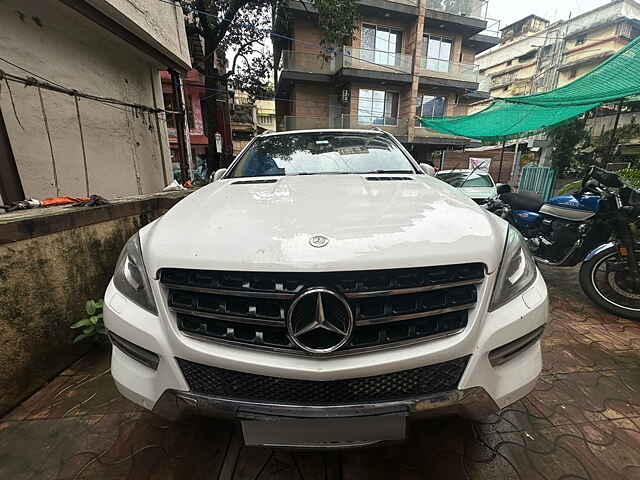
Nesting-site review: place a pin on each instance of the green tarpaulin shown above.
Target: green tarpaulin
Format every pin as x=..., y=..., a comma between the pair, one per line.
x=506, y=118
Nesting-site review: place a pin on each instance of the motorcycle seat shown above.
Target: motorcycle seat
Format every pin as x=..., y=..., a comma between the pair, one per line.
x=523, y=201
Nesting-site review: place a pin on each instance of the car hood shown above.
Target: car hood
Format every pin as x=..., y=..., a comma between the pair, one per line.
x=480, y=192
x=370, y=224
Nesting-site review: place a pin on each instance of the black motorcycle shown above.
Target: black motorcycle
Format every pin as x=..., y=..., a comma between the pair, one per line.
x=596, y=226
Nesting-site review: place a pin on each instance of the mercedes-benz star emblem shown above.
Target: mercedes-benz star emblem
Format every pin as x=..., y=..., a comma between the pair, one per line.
x=319, y=241
x=320, y=321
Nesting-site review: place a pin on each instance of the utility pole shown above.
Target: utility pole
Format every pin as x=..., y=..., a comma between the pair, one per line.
x=180, y=121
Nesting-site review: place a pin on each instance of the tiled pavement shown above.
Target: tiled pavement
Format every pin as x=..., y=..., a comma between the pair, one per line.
x=581, y=422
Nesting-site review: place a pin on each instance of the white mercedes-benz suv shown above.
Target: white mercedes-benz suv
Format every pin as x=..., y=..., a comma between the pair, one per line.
x=322, y=291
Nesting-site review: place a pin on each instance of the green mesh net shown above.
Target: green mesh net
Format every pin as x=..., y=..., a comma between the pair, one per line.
x=503, y=121
x=614, y=79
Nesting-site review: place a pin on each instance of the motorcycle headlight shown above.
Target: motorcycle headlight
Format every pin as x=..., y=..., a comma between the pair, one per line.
x=517, y=271
x=130, y=277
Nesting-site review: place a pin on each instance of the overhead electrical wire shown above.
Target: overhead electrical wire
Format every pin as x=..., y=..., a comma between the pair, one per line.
x=42, y=82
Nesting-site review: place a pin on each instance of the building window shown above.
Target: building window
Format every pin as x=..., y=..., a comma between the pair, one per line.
x=581, y=39
x=429, y=106
x=573, y=73
x=265, y=119
x=377, y=107
x=381, y=45
x=438, y=53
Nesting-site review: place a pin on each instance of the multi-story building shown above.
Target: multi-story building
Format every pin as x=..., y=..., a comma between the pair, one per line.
x=535, y=55
x=512, y=66
x=266, y=114
x=193, y=85
x=407, y=58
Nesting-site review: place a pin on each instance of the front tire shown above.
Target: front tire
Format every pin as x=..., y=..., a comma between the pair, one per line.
x=609, y=289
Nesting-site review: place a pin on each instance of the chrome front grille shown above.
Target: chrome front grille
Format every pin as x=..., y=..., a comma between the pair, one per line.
x=389, y=307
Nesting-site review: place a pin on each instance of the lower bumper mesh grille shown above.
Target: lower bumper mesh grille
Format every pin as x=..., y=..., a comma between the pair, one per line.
x=402, y=385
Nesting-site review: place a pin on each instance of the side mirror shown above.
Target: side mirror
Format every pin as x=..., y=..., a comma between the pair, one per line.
x=218, y=174
x=503, y=188
x=428, y=169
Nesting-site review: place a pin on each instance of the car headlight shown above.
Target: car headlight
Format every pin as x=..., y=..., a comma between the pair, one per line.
x=517, y=271
x=130, y=277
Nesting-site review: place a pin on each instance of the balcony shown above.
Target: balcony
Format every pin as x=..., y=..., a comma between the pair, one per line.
x=463, y=8
x=375, y=64
x=484, y=87
x=308, y=62
x=465, y=16
x=444, y=69
x=398, y=127
x=484, y=83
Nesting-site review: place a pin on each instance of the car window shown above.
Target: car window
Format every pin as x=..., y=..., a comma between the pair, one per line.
x=464, y=179
x=321, y=153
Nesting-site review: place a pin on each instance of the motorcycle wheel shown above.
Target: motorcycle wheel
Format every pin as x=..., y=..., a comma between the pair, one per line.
x=610, y=290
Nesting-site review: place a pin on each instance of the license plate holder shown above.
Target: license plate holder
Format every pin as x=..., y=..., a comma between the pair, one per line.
x=324, y=432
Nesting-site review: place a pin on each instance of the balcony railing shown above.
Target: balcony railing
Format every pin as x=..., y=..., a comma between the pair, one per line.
x=394, y=125
x=378, y=60
x=446, y=69
x=493, y=28
x=465, y=8
x=308, y=62
x=309, y=123
x=398, y=127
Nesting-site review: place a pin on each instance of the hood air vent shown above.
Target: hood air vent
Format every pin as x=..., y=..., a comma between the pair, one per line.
x=389, y=179
x=254, y=182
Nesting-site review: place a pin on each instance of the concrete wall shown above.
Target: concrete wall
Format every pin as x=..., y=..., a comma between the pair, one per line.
x=460, y=160
x=125, y=153
x=159, y=24
x=46, y=279
x=597, y=126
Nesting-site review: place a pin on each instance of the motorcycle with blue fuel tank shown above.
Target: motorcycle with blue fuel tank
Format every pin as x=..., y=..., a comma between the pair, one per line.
x=596, y=225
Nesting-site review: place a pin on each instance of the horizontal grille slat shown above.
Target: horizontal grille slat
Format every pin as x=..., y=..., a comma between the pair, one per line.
x=389, y=306
x=432, y=379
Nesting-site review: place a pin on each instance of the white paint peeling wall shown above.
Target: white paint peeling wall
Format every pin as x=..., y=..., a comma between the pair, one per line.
x=125, y=153
x=157, y=22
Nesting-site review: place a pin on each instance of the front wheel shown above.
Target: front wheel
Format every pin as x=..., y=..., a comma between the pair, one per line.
x=606, y=280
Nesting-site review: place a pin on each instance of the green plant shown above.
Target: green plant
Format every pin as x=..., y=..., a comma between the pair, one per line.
x=92, y=326
x=631, y=176
x=565, y=141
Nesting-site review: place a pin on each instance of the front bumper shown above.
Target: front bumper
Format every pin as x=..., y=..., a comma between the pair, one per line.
x=484, y=387
x=474, y=403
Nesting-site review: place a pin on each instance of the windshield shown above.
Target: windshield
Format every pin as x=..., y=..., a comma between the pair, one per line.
x=457, y=179
x=321, y=154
